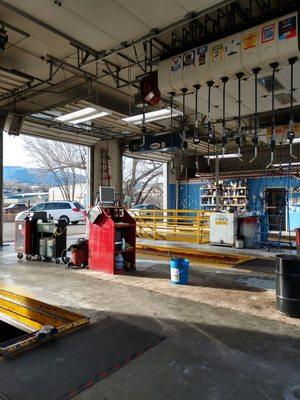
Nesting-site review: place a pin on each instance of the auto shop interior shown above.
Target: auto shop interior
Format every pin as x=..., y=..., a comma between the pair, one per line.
x=199, y=299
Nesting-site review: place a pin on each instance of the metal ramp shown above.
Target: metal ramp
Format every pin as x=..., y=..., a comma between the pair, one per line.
x=31, y=322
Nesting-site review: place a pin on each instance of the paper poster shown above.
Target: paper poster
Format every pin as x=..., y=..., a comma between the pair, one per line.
x=232, y=47
x=250, y=40
x=268, y=33
x=217, y=54
x=175, y=64
x=201, y=55
x=189, y=59
x=287, y=28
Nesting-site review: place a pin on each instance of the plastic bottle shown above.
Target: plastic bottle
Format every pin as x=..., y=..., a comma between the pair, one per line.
x=123, y=244
x=119, y=261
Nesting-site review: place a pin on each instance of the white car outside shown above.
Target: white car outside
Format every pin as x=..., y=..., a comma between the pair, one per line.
x=70, y=211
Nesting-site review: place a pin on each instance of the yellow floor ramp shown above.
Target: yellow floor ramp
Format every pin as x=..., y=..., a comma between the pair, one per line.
x=195, y=254
x=25, y=322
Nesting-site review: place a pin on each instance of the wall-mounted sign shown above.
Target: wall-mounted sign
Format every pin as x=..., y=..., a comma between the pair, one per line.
x=217, y=54
x=175, y=64
x=201, y=55
x=189, y=59
x=287, y=28
x=232, y=47
x=268, y=33
x=250, y=40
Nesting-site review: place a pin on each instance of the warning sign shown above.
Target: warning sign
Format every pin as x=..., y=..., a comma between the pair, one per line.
x=250, y=40
x=201, y=55
x=268, y=33
x=217, y=54
x=287, y=28
x=189, y=59
x=221, y=221
x=175, y=64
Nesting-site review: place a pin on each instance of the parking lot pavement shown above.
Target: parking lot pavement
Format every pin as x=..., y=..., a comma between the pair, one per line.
x=9, y=231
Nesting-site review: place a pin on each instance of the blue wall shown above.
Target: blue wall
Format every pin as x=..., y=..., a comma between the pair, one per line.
x=189, y=195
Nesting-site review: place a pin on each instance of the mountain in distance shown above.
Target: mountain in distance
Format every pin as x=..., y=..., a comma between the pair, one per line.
x=32, y=176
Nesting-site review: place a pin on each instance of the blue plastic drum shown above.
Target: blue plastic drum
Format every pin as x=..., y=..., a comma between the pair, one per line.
x=179, y=269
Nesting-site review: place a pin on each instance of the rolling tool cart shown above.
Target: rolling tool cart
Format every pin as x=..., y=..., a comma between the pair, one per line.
x=26, y=238
x=112, y=240
x=52, y=239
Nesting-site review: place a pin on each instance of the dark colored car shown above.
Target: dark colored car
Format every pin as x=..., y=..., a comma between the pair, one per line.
x=15, y=208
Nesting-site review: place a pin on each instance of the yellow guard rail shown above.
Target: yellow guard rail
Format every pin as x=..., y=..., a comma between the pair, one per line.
x=172, y=225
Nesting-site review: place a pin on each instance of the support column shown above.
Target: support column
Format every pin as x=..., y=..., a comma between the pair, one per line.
x=2, y=124
x=107, y=167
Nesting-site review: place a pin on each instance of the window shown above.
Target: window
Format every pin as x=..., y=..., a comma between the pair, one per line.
x=49, y=206
x=38, y=207
x=63, y=206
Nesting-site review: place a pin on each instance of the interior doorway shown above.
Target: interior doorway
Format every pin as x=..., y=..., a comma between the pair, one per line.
x=276, y=208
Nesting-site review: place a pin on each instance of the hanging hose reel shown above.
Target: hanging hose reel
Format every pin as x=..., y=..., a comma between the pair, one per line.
x=196, y=133
x=291, y=131
x=274, y=67
x=256, y=71
x=210, y=128
x=238, y=136
x=224, y=129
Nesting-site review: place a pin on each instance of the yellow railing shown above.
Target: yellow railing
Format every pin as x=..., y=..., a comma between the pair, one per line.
x=179, y=225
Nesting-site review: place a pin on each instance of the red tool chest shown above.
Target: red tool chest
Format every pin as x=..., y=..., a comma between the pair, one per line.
x=112, y=237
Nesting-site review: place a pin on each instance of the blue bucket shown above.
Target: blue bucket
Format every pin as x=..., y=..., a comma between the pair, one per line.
x=179, y=269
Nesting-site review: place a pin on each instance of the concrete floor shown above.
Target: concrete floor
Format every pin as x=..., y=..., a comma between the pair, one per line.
x=210, y=352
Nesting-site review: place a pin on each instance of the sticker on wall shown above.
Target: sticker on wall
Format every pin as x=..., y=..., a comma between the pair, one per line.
x=175, y=64
x=201, y=55
x=268, y=33
x=287, y=28
x=189, y=59
x=250, y=40
x=217, y=54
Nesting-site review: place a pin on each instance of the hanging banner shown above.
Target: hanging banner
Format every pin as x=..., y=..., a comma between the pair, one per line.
x=175, y=64
x=268, y=33
x=250, y=40
x=189, y=59
x=201, y=54
x=287, y=28
x=217, y=54
x=232, y=47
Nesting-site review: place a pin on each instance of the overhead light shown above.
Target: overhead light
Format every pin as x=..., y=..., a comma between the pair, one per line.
x=283, y=165
x=82, y=115
x=89, y=117
x=153, y=116
x=214, y=156
x=296, y=140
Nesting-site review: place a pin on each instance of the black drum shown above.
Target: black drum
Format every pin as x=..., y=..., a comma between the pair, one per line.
x=288, y=284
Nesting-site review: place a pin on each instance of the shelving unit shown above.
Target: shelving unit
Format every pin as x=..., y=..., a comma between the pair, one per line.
x=233, y=195
x=110, y=229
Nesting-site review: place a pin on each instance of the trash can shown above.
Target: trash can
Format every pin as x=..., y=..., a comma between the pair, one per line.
x=179, y=269
x=298, y=240
x=288, y=284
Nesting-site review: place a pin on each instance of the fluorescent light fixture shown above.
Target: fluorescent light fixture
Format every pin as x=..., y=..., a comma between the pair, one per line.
x=283, y=165
x=82, y=115
x=89, y=117
x=296, y=140
x=214, y=156
x=76, y=114
x=153, y=116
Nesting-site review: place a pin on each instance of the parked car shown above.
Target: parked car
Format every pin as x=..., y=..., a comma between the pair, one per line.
x=70, y=211
x=14, y=208
x=141, y=207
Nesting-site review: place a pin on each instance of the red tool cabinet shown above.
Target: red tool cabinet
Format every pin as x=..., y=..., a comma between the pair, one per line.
x=109, y=228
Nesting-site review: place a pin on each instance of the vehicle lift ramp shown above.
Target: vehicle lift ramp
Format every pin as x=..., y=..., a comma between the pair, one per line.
x=35, y=321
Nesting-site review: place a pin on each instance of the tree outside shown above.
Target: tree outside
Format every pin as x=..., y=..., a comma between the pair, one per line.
x=142, y=182
x=65, y=162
